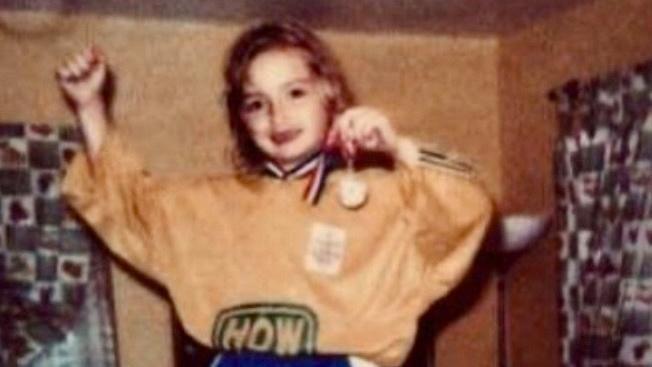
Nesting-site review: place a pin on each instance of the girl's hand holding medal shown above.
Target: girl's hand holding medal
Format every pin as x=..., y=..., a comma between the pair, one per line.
x=359, y=128
x=362, y=128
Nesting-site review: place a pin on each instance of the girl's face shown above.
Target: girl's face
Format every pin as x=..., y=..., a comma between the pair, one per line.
x=285, y=106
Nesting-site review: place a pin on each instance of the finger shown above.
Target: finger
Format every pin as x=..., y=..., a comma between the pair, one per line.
x=339, y=128
x=363, y=122
x=383, y=130
x=83, y=65
x=369, y=139
x=63, y=73
x=353, y=140
x=87, y=59
x=376, y=140
x=345, y=126
x=73, y=68
x=349, y=149
x=352, y=124
x=96, y=56
x=342, y=141
x=363, y=126
x=90, y=60
x=367, y=119
x=332, y=137
x=88, y=54
x=99, y=70
x=98, y=53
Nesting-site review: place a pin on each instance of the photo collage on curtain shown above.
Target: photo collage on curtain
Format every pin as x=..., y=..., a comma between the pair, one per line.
x=604, y=200
x=55, y=297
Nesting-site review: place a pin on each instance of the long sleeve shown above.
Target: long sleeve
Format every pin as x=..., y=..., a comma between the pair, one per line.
x=453, y=213
x=118, y=200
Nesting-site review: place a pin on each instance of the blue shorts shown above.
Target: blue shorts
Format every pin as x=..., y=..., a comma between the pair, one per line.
x=270, y=360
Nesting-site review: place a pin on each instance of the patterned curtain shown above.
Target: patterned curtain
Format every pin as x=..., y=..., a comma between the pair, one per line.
x=604, y=189
x=55, y=305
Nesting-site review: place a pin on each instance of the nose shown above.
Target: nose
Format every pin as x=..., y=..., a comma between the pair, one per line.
x=278, y=114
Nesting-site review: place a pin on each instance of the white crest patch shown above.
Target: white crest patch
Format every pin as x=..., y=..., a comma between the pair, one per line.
x=326, y=249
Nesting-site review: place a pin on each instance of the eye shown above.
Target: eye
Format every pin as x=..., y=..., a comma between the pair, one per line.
x=252, y=105
x=297, y=93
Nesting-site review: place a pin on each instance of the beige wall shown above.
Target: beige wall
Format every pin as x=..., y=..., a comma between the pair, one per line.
x=593, y=39
x=440, y=89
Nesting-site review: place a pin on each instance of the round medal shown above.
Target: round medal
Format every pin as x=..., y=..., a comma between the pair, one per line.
x=353, y=192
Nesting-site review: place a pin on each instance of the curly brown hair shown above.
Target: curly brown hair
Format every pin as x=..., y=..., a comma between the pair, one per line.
x=272, y=36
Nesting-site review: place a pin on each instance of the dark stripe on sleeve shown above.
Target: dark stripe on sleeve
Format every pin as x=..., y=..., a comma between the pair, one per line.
x=446, y=163
x=430, y=153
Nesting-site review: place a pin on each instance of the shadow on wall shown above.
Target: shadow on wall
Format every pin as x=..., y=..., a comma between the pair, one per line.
x=450, y=309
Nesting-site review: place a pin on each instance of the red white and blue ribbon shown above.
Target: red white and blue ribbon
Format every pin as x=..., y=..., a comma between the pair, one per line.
x=317, y=166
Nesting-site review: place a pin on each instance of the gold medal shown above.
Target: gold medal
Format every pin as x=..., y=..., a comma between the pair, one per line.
x=353, y=192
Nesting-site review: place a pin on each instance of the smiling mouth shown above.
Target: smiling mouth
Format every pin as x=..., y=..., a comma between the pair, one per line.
x=286, y=136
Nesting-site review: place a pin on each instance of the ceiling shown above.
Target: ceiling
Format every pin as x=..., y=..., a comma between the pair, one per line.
x=483, y=17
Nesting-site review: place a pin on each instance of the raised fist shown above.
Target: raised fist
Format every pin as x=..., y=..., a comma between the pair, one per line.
x=83, y=77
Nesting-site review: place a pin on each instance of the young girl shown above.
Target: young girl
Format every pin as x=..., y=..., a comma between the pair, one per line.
x=295, y=260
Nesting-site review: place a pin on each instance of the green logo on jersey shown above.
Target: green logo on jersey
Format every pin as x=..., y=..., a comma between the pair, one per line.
x=282, y=329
